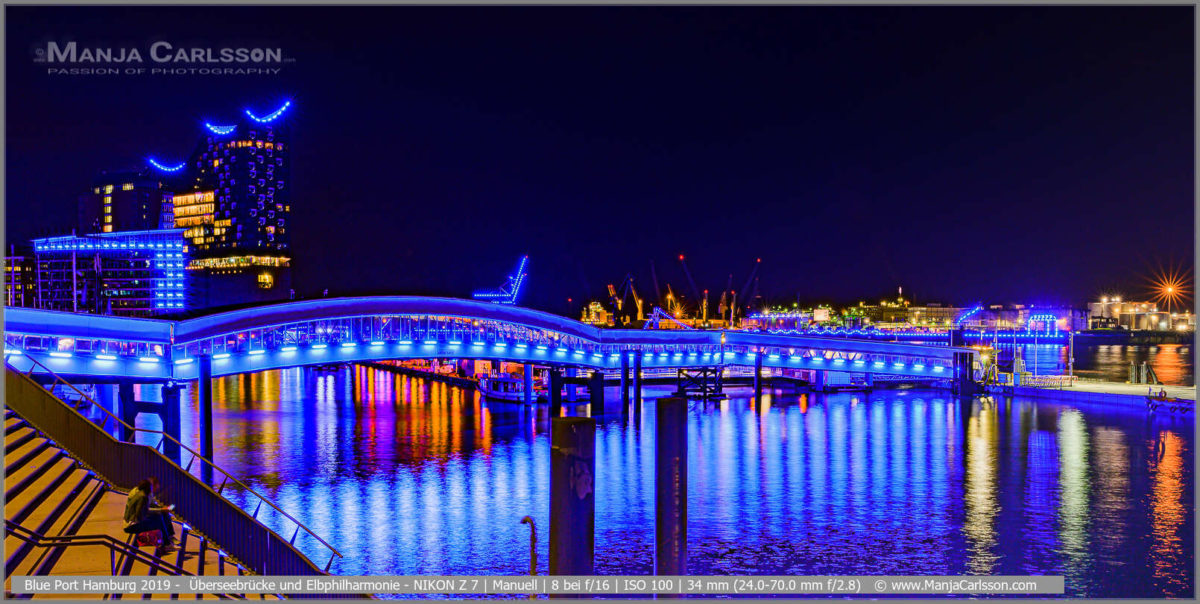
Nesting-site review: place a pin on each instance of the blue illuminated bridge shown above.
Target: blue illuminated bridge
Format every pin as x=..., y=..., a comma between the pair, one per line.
x=347, y=330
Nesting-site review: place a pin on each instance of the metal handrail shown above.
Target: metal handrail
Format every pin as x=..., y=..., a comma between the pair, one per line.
x=114, y=545
x=108, y=414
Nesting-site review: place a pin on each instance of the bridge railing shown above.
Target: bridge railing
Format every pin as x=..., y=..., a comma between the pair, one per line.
x=247, y=543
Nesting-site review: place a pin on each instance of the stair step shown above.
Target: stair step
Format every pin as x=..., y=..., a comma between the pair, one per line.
x=47, y=512
x=12, y=423
x=17, y=481
x=19, y=508
x=67, y=523
x=18, y=456
x=18, y=437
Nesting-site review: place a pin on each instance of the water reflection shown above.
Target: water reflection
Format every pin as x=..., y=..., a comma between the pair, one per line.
x=411, y=477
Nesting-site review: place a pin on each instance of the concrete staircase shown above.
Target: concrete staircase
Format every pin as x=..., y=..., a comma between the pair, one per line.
x=51, y=494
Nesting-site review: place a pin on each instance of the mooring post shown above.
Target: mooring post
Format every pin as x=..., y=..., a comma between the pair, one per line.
x=556, y=386
x=596, y=393
x=572, y=495
x=758, y=370
x=170, y=420
x=204, y=390
x=624, y=382
x=528, y=384
x=637, y=384
x=670, y=486
x=128, y=409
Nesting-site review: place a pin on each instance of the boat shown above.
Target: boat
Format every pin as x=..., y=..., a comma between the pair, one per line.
x=1172, y=404
x=506, y=388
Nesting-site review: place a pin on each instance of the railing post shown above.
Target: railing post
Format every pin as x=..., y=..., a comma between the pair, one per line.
x=637, y=384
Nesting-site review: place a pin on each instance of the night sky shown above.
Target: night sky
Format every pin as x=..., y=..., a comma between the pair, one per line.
x=1005, y=154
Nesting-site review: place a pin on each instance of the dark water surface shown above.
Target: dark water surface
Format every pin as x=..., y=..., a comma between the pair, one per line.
x=407, y=477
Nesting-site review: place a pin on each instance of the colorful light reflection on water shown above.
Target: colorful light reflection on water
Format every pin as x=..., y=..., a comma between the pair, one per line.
x=409, y=477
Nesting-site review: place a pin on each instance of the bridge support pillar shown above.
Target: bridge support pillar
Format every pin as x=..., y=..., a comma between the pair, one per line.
x=528, y=384
x=624, y=381
x=637, y=384
x=572, y=394
x=556, y=388
x=758, y=375
x=572, y=495
x=170, y=420
x=670, y=486
x=964, y=381
x=128, y=409
x=819, y=381
x=869, y=381
x=204, y=390
x=596, y=393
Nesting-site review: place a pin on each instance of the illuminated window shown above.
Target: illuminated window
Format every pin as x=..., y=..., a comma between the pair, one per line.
x=265, y=281
x=108, y=209
x=107, y=199
x=127, y=186
x=96, y=190
x=108, y=228
x=108, y=189
x=108, y=219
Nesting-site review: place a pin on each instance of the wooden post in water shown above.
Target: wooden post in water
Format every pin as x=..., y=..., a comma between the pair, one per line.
x=670, y=486
x=596, y=393
x=204, y=390
x=556, y=385
x=758, y=370
x=624, y=382
x=572, y=495
x=528, y=384
x=637, y=384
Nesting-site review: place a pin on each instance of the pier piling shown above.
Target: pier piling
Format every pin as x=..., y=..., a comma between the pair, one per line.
x=758, y=375
x=204, y=390
x=637, y=385
x=670, y=486
x=624, y=382
x=170, y=420
x=596, y=393
x=572, y=495
x=128, y=409
x=556, y=387
x=528, y=384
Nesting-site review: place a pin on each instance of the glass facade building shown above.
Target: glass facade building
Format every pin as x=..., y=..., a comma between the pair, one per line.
x=131, y=273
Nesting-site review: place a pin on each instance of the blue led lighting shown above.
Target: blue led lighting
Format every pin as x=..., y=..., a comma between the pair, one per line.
x=319, y=346
x=149, y=359
x=183, y=361
x=220, y=130
x=256, y=352
x=270, y=117
x=165, y=168
x=288, y=349
x=429, y=342
x=60, y=355
x=406, y=342
x=349, y=344
x=8, y=351
x=221, y=355
x=377, y=343
x=110, y=357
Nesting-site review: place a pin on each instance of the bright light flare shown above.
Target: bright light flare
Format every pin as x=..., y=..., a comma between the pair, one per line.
x=1171, y=287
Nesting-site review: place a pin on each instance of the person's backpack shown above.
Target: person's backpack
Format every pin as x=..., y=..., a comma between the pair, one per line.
x=149, y=537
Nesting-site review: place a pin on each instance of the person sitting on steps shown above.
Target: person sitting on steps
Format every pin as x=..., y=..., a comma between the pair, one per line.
x=140, y=516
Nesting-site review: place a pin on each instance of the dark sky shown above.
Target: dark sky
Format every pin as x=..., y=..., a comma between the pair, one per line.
x=1004, y=154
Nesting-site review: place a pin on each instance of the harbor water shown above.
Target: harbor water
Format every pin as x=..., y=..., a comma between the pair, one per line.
x=410, y=477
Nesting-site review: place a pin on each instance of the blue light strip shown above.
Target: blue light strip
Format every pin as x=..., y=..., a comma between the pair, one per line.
x=165, y=168
x=220, y=130
x=270, y=117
